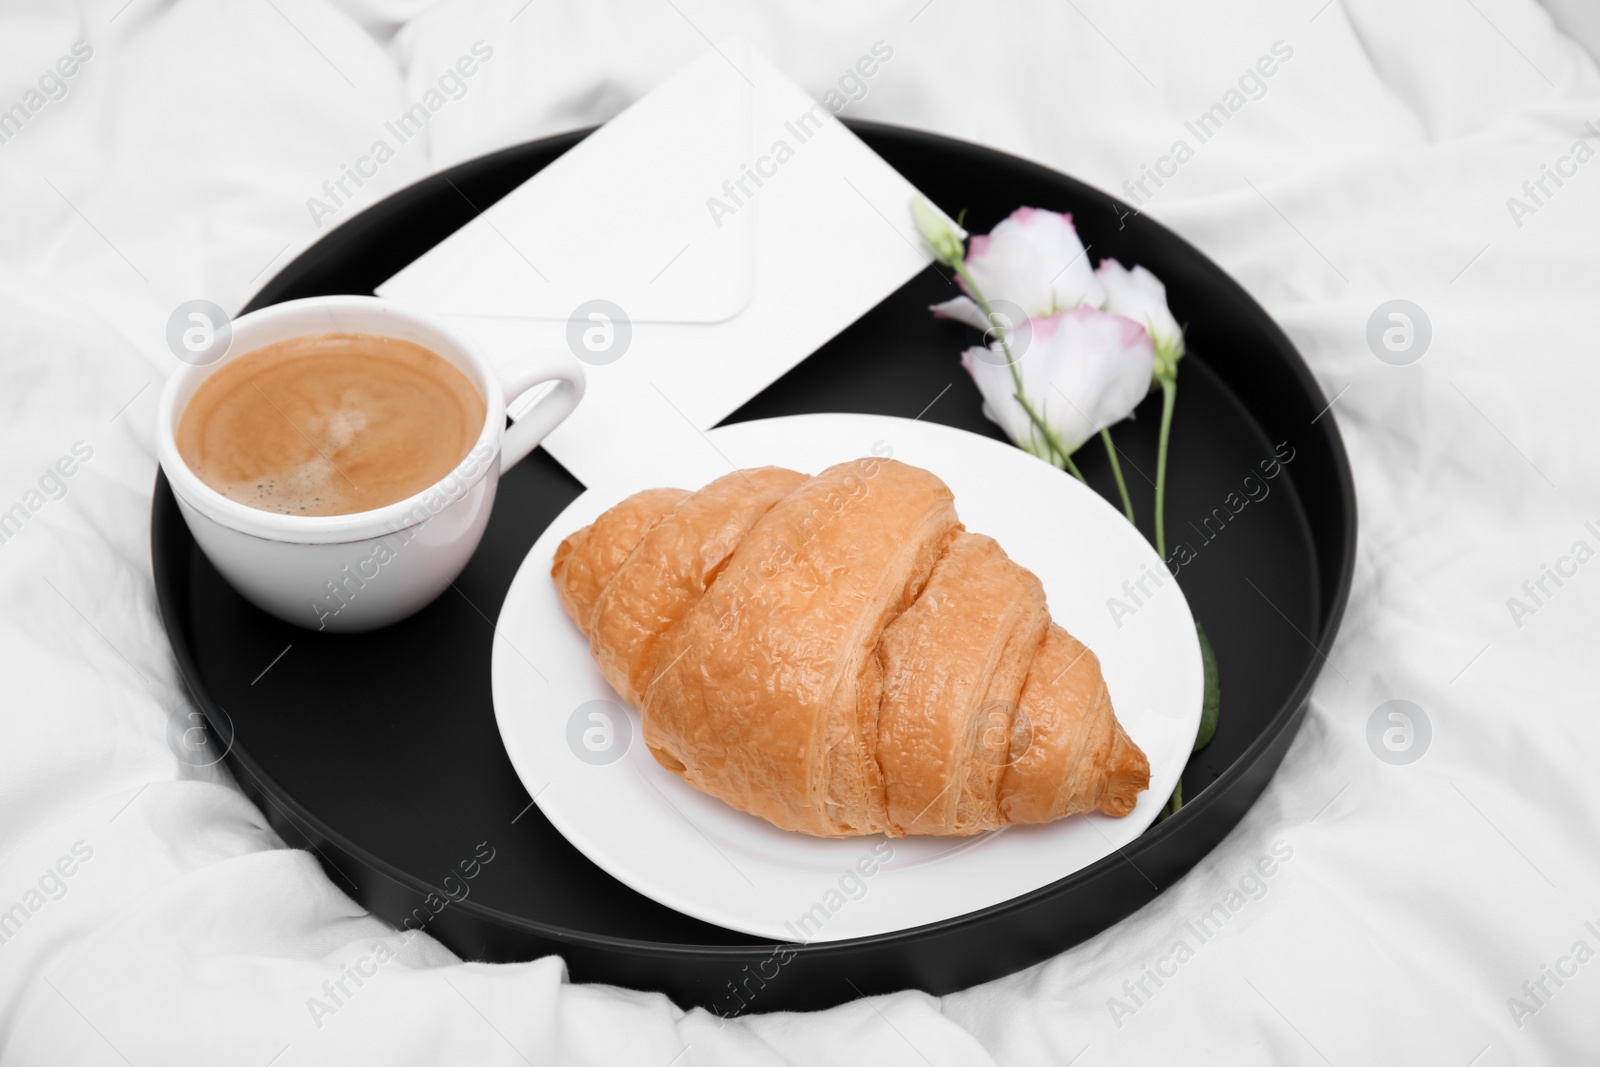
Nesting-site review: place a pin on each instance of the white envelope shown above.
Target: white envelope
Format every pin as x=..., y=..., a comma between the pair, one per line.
x=691, y=251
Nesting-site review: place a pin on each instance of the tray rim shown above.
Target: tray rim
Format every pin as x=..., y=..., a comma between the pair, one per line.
x=164, y=511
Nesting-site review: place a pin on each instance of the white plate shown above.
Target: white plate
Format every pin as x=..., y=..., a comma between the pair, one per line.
x=576, y=746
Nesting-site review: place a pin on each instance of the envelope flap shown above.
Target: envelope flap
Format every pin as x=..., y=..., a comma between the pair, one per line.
x=733, y=219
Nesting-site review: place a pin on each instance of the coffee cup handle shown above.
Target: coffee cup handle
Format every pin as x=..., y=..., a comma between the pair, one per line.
x=525, y=433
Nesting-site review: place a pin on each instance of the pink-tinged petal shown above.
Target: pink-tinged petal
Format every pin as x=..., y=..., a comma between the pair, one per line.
x=1034, y=259
x=1140, y=295
x=1084, y=370
x=962, y=310
x=993, y=379
x=977, y=248
x=1042, y=328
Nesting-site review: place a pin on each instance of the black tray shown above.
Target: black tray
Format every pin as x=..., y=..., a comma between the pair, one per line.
x=380, y=751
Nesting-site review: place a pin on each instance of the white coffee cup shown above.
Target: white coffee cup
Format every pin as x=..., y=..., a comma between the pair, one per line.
x=371, y=568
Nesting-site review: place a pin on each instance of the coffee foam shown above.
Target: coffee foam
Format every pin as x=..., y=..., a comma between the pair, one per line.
x=330, y=424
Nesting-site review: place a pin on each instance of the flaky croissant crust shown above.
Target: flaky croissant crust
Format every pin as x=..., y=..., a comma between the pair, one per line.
x=839, y=656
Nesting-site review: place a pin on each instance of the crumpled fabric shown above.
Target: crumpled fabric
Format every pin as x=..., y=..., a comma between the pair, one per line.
x=1444, y=910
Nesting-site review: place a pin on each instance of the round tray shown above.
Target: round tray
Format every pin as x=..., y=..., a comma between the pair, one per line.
x=379, y=751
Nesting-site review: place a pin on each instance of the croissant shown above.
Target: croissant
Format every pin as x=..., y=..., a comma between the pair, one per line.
x=839, y=656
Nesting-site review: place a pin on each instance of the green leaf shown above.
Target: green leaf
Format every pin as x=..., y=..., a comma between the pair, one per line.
x=1174, y=802
x=1211, y=704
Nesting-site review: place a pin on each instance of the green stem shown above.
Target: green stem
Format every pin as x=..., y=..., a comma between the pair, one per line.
x=1072, y=468
x=1050, y=438
x=1116, y=471
x=1169, y=398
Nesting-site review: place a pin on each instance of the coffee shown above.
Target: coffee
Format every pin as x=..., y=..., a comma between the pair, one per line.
x=330, y=424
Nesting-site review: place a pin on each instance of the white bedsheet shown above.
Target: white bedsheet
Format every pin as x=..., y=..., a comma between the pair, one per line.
x=1408, y=905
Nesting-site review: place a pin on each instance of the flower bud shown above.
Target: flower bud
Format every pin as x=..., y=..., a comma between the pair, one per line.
x=937, y=231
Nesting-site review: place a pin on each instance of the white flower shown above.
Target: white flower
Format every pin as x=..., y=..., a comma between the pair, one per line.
x=1081, y=371
x=1140, y=296
x=1032, y=261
